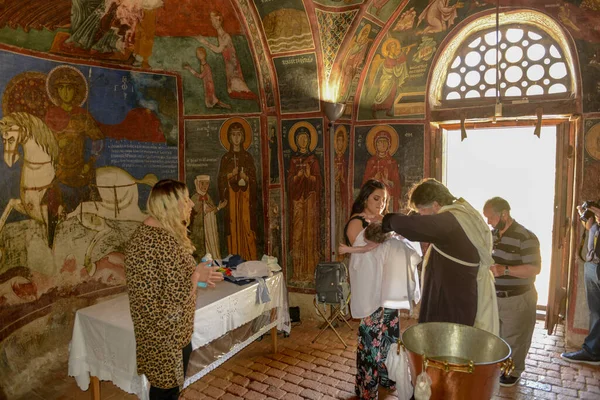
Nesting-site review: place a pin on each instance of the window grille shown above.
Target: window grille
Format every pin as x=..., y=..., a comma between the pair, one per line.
x=530, y=63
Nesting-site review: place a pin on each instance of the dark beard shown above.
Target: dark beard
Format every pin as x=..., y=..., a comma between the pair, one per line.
x=496, y=231
x=500, y=225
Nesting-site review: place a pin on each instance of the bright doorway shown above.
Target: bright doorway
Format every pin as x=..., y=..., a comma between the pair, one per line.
x=512, y=163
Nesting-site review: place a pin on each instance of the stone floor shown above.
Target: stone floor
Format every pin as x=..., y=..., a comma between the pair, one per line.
x=325, y=370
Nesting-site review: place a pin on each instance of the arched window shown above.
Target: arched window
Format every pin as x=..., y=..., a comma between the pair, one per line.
x=526, y=59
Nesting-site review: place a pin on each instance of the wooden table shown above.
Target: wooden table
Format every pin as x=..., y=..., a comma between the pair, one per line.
x=103, y=343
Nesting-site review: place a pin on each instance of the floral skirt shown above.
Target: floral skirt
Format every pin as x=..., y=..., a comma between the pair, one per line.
x=375, y=335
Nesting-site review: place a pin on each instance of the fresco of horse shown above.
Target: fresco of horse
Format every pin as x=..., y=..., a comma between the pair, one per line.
x=117, y=188
x=39, y=151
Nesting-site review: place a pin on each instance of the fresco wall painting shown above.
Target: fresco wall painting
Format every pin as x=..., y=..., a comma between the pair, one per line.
x=263, y=63
x=383, y=9
x=332, y=30
x=75, y=177
x=215, y=62
x=589, y=61
x=224, y=175
x=210, y=49
x=305, y=194
x=342, y=185
x=591, y=173
x=354, y=60
x=274, y=137
x=392, y=154
x=275, y=226
x=298, y=83
x=338, y=3
x=395, y=84
x=286, y=25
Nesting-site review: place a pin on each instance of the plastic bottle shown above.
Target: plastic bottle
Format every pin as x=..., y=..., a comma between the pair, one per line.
x=207, y=257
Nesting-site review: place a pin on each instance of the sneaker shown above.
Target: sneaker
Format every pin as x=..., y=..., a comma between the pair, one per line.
x=580, y=357
x=508, y=381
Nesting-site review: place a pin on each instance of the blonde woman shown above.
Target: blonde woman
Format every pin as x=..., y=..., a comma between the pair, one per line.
x=162, y=277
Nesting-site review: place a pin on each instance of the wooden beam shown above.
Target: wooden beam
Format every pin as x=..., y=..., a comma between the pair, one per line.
x=509, y=110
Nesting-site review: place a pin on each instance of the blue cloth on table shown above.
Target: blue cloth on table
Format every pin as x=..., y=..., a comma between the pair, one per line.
x=238, y=281
x=234, y=261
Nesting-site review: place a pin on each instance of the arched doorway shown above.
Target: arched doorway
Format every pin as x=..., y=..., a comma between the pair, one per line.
x=504, y=70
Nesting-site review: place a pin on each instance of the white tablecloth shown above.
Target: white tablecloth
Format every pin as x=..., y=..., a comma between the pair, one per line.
x=103, y=342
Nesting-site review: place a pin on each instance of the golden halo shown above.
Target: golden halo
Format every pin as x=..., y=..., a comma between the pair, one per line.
x=247, y=132
x=313, y=135
x=341, y=129
x=384, y=46
x=75, y=76
x=26, y=92
x=370, y=140
x=366, y=27
x=591, y=141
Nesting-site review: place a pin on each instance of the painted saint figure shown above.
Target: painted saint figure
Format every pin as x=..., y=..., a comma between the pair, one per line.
x=273, y=154
x=203, y=222
x=354, y=60
x=304, y=192
x=238, y=186
x=341, y=182
x=275, y=230
x=378, y=5
x=205, y=73
x=392, y=73
x=106, y=25
x=439, y=14
x=382, y=143
x=236, y=85
x=72, y=126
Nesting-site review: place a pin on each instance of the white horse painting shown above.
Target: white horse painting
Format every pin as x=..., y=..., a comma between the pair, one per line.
x=117, y=188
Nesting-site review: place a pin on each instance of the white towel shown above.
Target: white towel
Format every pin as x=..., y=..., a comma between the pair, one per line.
x=262, y=293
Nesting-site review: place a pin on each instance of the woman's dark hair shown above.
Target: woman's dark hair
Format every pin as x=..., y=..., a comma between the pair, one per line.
x=302, y=131
x=365, y=191
x=427, y=191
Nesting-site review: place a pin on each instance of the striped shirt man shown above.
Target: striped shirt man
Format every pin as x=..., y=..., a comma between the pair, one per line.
x=517, y=246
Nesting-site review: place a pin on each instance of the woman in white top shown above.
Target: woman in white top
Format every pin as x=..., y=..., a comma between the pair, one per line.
x=379, y=327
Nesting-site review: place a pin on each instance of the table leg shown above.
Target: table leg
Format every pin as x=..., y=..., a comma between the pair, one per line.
x=95, y=387
x=274, y=330
x=274, y=339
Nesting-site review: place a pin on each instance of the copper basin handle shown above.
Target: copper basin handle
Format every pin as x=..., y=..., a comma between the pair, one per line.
x=507, y=366
x=447, y=367
x=400, y=345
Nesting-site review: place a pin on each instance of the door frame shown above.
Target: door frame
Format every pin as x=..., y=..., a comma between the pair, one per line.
x=568, y=176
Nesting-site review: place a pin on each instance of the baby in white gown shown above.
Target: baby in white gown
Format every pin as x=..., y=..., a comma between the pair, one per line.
x=383, y=275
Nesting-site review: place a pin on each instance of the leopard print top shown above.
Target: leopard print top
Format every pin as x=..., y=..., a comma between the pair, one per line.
x=158, y=272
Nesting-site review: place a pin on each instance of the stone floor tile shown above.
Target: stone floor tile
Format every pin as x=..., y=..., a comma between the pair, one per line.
x=326, y=370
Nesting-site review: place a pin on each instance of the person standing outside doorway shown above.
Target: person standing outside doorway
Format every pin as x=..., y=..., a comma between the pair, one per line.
x=590, y=351
x=518, y=261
